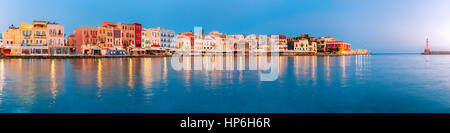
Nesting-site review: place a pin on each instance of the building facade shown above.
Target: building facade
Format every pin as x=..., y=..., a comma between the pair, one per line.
x=86, y=40
x=151, y=38
x=337, y=46
x=127, y=34
x=137, y=33
x=167, y=37
x=55, y=35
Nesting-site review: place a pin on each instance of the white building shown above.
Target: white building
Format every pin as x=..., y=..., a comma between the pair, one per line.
x=167, y=37
x=183, y=42
x=151, y=37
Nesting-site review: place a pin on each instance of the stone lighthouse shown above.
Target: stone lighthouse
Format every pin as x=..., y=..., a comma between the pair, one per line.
x=427, y=50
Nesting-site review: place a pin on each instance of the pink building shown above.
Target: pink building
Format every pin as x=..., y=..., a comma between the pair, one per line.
x=85, y=38
x=55, y=34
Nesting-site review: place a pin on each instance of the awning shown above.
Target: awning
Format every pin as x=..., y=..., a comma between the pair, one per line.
x=95, y=47
x=138, y=50
x=34, y=47
x=11, y=47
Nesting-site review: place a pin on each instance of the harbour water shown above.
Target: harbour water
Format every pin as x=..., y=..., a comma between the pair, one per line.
x=366, y=83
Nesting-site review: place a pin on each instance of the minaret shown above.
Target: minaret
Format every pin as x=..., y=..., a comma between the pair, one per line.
x=427, y=50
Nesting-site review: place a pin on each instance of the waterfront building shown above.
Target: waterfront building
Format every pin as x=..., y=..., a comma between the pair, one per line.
x=86, y=41
x=263, y=44
x=38, y=38
x=209, y=43
x=312, y=47
x=321, y=43
x=198, y=44
x=70, y=41
x=14, y=34
x=56, y=40
x=39, y=31
x=127, y=34
x=213, y=42
x=337, y=46
x=167, y=37
x=282, y=43
x=183, y=42
x=301, y=45
x=106, y=35
x=55, y=35
x=145, y=38
x=137, y=33
x=4, y=42
x=251, y=42
x=358, y=51
x=273, y=42
x=151, y=37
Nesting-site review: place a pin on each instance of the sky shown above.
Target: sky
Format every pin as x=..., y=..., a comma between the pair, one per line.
x=381, y=26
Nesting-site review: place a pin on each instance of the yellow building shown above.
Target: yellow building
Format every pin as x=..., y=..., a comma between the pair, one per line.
x=39, y=37
x=105, y=37
x=28, y=34
x=13, y=34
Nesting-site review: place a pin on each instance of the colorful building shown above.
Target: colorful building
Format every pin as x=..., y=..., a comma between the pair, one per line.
x=321, y=43
x=55, y=35
x=151, y=38
x=86, y=41
x=167, y=37
x=127, y=34
x=337, y=46
x=39, y=30
x=137, y=33
x=105, y=35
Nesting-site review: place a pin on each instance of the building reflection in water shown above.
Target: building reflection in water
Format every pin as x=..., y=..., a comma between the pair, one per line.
x=130, y=73
x=147, y=71
x=164, y=76
x=362, y=63
x=148, y=79
x=343, y=64
x=99, y=78
x=327, y=70
x=53, y=88
x=2, y=79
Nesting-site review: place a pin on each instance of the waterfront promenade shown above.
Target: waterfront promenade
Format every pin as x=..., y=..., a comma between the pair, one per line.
x=166, y=55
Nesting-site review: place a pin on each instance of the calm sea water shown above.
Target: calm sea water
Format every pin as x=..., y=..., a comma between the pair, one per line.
x=375, y=83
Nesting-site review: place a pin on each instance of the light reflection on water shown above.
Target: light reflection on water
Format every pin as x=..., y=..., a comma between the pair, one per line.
x=377, y=83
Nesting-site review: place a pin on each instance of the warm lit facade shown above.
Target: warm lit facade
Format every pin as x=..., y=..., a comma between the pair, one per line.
x=14, y=35
x=105, y=36
x=301, y=45
x=55, y=35
x=337, y=46
x=70, y=40
x=34, y=34
x=166, y=37
x=137, y=33
x=127, y=35
x=282, y=43
x=321, y=42
x=86, y=40
x=151, y=37
x=39, y=30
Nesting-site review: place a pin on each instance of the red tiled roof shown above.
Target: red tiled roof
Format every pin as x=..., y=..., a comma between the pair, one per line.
x=108, y=24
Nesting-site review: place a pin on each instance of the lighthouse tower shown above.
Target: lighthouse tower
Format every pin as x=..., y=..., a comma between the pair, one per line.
x=427, y=50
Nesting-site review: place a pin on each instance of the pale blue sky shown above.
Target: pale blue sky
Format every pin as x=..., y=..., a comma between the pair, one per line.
x=379, y=25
